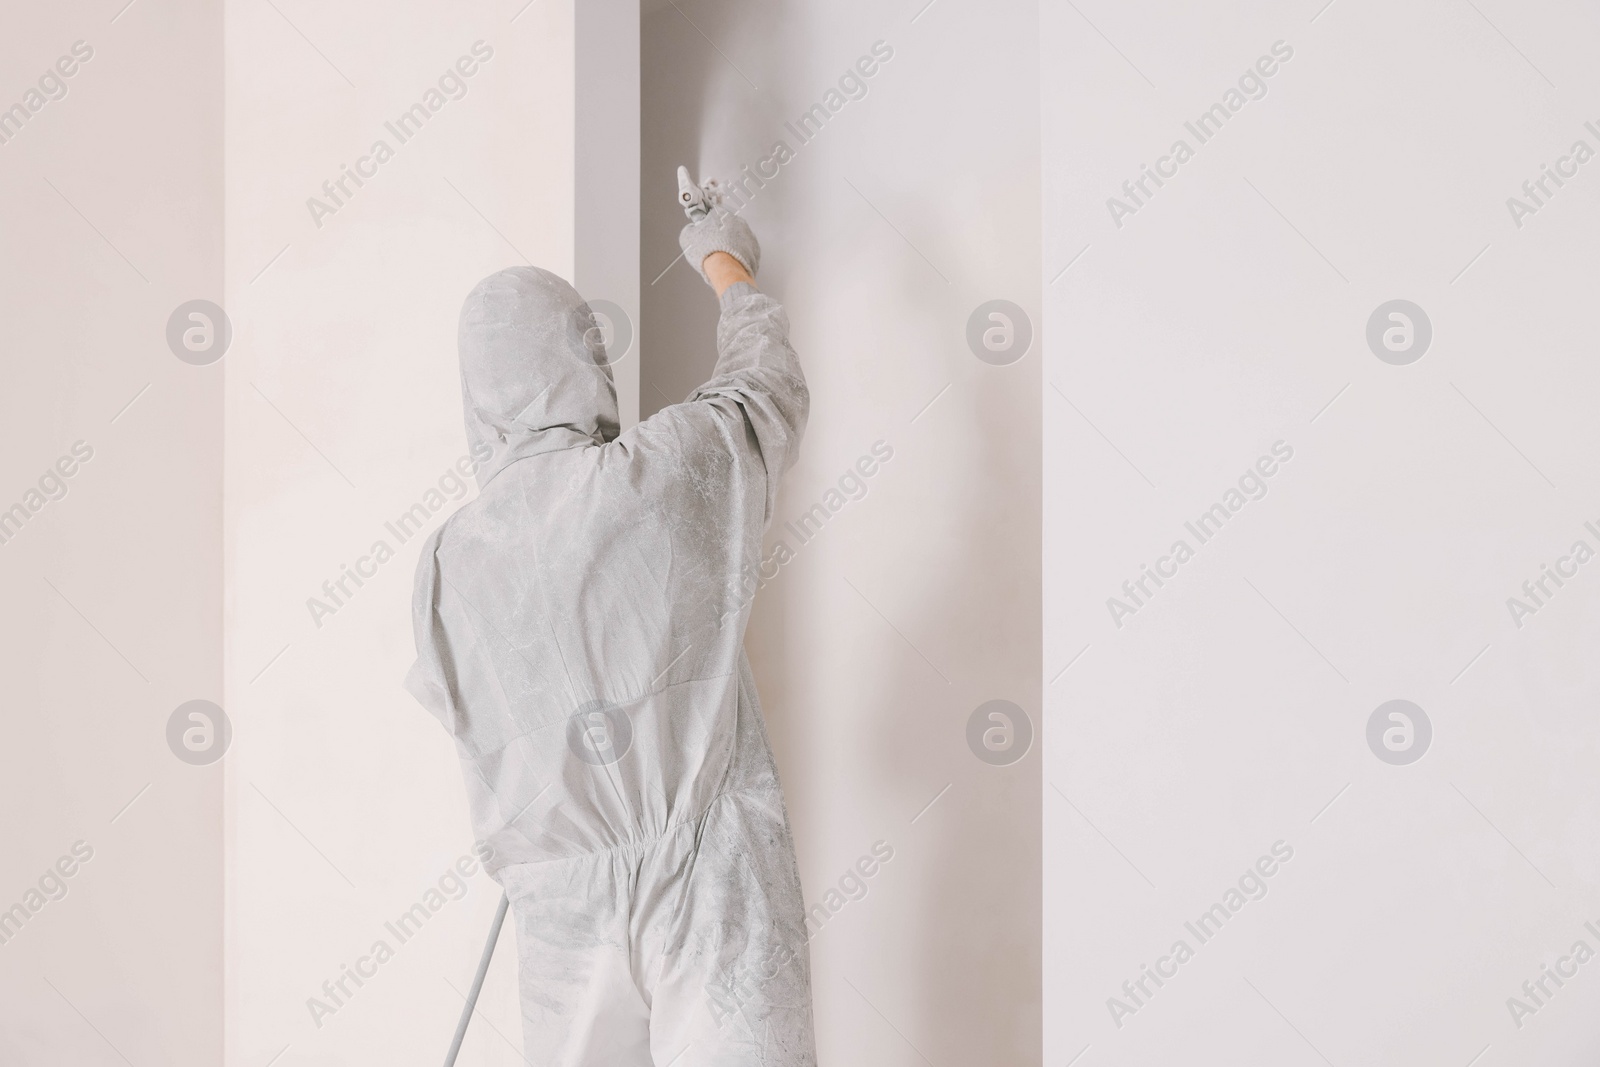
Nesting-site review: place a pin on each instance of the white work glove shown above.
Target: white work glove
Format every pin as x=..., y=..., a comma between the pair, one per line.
x=720, y=231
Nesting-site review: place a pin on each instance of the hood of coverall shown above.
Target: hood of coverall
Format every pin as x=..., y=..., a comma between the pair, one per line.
x=534, y=375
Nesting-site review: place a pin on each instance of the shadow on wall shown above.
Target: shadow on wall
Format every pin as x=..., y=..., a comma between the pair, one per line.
x=678, y=315
x=953, y=956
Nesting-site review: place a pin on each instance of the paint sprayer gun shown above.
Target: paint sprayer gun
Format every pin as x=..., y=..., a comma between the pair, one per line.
x=696, y=200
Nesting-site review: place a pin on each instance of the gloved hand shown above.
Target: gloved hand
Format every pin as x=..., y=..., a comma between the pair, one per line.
x=720, y=231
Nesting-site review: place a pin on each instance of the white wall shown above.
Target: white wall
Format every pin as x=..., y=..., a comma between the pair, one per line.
x=1230, y=712
x=606, y=182
x=1227, y=714
x=919, y=602
x=345, y=802
x=110, y=210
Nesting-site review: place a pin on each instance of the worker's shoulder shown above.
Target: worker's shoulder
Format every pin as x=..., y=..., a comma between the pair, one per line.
x=492, y=507
x=477, y=520
x=548, y=495
x=695, y=433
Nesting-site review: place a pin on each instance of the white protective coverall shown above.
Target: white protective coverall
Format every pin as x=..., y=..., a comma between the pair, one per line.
x=579, y=630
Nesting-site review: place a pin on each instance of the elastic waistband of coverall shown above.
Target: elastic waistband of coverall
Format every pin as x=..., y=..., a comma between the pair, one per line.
x=643, y=845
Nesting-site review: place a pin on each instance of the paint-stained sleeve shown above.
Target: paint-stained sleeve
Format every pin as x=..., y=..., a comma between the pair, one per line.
x=758, y=380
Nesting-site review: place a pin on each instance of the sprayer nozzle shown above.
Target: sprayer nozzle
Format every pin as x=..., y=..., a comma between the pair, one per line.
x=695, y=201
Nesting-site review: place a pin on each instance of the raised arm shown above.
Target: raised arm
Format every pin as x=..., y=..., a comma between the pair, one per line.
x=757, y=379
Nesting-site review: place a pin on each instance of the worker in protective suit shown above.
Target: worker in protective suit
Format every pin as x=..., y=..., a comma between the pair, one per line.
x=579, y=630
